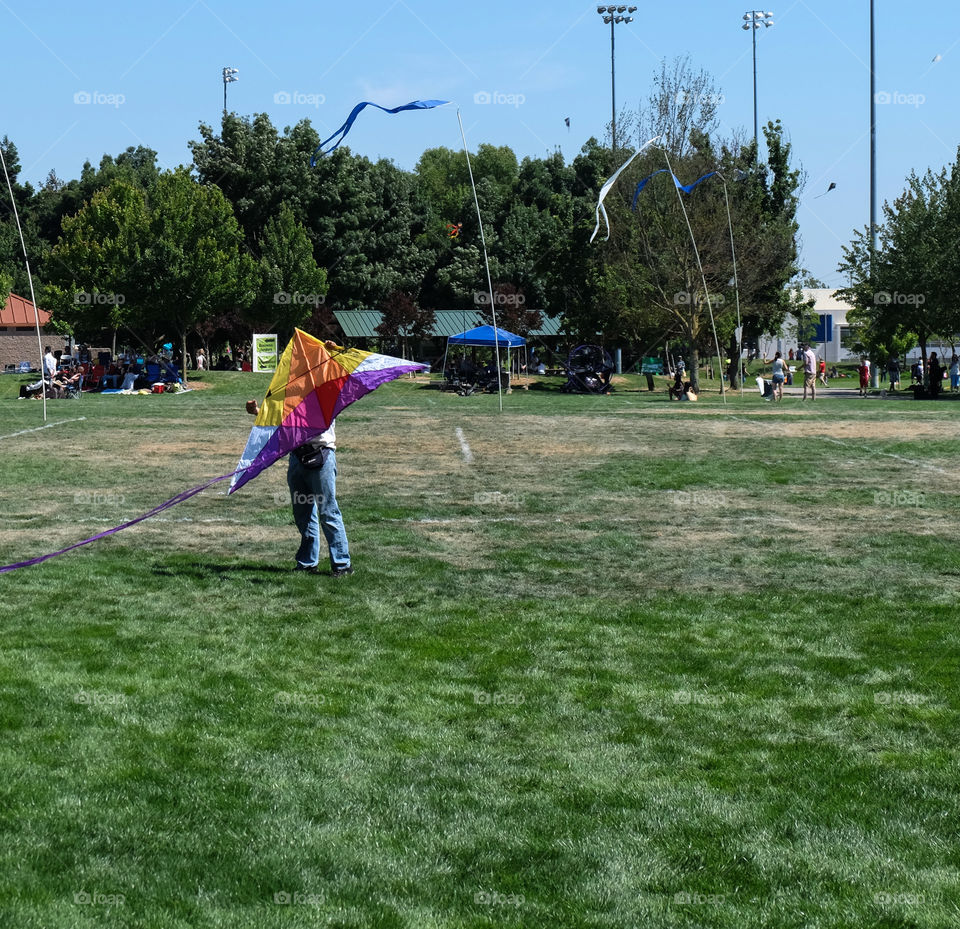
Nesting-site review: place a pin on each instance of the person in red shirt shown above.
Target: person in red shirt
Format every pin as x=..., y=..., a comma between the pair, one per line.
x=864, y=372
x=823, y=372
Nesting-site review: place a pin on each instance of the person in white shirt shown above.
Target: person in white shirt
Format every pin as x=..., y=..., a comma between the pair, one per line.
x=809, y=372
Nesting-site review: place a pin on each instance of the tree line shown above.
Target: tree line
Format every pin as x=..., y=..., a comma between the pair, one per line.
x=250, y=237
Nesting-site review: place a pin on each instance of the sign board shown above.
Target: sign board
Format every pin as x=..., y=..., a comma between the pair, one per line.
x=824, y=330
x=651, y=366
x=266, y=356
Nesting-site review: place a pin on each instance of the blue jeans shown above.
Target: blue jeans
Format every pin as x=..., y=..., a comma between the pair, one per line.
x=313, y=496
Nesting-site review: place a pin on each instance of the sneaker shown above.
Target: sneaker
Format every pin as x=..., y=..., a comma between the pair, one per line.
x=310, y=569
x=341, y=572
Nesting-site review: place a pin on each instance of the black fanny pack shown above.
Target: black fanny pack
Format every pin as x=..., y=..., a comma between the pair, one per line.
x=311, y=457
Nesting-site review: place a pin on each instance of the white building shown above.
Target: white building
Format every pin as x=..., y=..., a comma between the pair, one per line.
x=833, y=332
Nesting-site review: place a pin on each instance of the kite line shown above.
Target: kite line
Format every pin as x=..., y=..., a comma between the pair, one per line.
x=26, y=261
x=703, y=278
x=688, y=188
x=486, y=263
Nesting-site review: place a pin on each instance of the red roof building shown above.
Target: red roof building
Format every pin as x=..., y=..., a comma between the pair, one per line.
x=19, y=313
x=18, y=333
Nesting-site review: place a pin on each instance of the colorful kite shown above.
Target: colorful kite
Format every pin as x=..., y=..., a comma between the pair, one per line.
x=355, y=112
x=310, y=387
x=601, y=211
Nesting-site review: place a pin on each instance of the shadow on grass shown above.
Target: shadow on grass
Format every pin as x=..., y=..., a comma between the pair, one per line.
x=216, y=571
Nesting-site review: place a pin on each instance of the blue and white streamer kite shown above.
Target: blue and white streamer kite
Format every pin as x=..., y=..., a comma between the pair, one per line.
x=686, y=188
x=601, y=211
x=345, y=128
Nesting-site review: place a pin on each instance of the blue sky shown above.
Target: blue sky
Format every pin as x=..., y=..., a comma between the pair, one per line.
x=87, y=79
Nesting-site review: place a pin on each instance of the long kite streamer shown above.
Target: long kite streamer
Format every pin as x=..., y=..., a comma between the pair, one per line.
x=686, y=188
x=340, y=134
x=173, y=501
x=601, y=209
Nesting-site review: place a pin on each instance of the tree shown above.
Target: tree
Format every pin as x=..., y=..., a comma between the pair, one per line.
x=403, y=319
x=97, y=279
x=290, y=283
x=906, y=291
x=192, y=263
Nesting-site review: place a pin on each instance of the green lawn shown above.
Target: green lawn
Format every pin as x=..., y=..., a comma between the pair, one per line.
x=636, y=664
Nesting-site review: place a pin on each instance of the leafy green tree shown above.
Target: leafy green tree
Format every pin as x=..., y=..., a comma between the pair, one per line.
x=290, y=284
x=97, y=278
x=193, y=264
x=907, y=289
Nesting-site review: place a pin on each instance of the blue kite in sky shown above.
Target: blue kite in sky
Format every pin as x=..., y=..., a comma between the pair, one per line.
x=345, y=128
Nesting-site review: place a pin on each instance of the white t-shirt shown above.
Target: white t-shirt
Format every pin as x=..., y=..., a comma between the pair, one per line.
x=49, y=364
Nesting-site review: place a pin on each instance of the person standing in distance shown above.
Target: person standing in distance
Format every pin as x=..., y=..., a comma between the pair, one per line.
x=312, y=480
x=809, y=372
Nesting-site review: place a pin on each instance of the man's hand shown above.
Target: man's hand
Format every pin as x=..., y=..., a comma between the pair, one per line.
x=253, y=408
x=331, y=346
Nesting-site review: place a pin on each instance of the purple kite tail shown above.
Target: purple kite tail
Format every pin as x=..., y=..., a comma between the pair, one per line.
x=173, y=501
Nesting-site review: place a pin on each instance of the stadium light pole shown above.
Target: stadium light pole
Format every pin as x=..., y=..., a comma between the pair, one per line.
x=873, y=143
x=229, y=77
x=754, y=19
x=613, y=15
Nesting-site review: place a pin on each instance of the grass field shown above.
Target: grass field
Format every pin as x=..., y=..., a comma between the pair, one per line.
x=633, y=664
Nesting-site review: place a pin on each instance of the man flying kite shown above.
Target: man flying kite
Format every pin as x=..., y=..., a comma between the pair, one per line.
x=313, y=382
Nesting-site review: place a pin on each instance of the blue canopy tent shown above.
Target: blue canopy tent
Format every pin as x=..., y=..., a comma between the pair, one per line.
x=486, y=337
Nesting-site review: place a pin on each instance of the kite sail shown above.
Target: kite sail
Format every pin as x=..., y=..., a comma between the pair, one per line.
x=601, y=210
x=312, y=384
x=341, y=133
